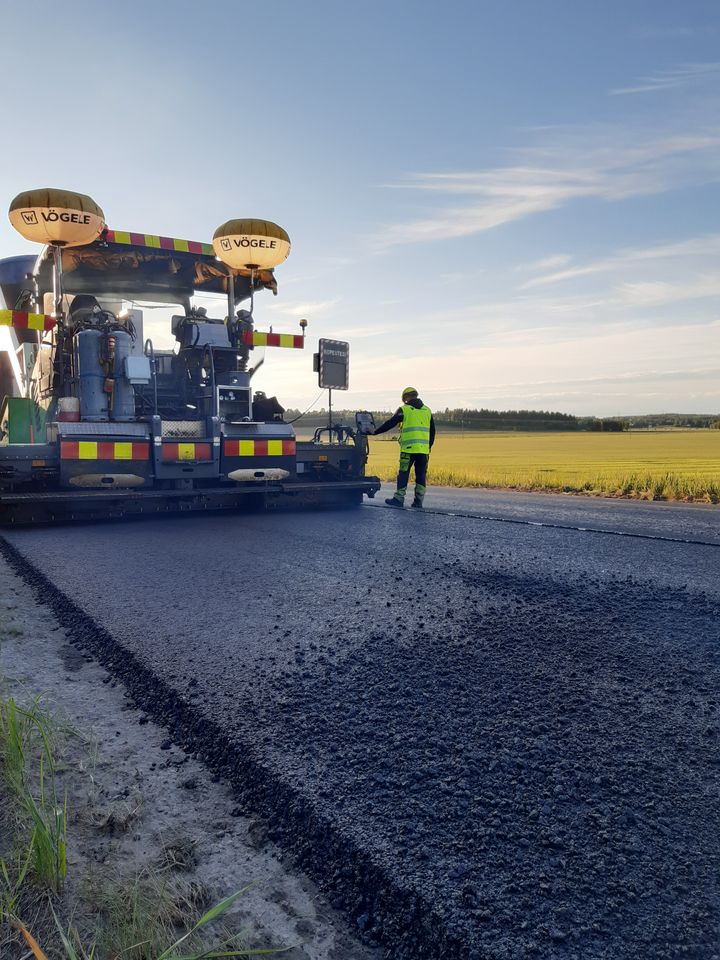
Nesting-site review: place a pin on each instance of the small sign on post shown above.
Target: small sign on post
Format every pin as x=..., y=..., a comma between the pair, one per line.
x=333, y=364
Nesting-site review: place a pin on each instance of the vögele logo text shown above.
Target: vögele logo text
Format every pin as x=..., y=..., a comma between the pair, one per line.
x=254, y=242
x=53, y=217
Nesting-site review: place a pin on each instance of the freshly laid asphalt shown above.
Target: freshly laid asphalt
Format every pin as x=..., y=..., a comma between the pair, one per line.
x=486, y=738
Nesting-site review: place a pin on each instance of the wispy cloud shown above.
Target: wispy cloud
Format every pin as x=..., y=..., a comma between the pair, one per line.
x=378, y=329
x=311, y=308
x=494, y=197
x=568, y=165
x=684, y=75
x=707, y=246
x=546, y=263
x=633, y=376
x=657, y=293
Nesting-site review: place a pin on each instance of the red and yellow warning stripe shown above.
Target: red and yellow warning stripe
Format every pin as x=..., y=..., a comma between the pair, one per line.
x=186, y=451
x=259, y=448
x=158, y=243
x=254, y=338
x=26, y=321
x=104, y=450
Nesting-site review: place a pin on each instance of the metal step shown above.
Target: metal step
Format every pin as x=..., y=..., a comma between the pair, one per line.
x=104, y=428
x=183, y=429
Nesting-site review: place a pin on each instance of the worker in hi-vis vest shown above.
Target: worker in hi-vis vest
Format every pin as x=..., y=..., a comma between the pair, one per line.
x=417, y=435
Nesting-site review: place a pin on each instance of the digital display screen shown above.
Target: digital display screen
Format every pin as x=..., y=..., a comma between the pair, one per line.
x=334, y=367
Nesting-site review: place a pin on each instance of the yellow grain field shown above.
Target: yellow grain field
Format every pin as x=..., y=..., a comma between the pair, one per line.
x=667, y=465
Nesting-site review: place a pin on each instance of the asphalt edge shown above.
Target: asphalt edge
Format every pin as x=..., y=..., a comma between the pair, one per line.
x=398, y=920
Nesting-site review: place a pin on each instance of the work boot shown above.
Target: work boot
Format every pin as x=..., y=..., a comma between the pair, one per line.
x=394, y=502
x=416, y=505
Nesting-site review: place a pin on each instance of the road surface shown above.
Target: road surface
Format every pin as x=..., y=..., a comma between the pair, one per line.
x=491, y=730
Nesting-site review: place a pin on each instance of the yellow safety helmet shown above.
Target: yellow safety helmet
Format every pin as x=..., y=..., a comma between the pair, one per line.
x=408, y=391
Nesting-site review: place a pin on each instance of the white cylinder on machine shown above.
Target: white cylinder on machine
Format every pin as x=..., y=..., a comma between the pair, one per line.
x=68, y=410
x=260, y=473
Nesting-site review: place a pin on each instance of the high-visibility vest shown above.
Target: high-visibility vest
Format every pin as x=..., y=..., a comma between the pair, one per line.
x=415, y=435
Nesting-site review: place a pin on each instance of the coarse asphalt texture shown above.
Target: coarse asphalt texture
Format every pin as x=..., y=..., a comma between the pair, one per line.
x=486, y=738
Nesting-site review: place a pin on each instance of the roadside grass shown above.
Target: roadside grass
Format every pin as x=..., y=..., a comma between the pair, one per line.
x=144, y=936
x=677, y=465
x=137, y=916
x=29, y=775
x=146, y=915
x=142, y=918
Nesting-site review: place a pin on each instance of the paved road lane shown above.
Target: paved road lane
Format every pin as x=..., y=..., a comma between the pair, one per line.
x=491, y=740
x=683, y=521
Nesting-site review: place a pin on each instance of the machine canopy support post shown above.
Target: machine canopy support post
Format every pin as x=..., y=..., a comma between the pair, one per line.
x=57, y=282
x=231, y=296
x=330, y=423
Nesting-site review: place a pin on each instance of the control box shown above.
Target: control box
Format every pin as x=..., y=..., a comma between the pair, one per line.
x=364, y=420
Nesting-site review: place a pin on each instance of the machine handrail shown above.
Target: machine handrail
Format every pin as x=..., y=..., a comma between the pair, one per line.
x=343, y=434
x=209, y=350
x=149, y=351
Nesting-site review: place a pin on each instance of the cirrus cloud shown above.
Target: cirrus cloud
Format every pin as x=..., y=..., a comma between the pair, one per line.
x=566, y=165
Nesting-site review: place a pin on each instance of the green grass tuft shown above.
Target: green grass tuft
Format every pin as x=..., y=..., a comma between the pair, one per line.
x=27, y=766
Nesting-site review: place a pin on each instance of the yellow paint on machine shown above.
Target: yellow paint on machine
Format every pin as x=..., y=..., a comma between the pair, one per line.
x=26, y=321
x=186, y=451
x=123, y=451
x=87, y=450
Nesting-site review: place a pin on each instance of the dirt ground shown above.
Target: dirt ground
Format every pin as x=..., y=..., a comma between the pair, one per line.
x=136, y=800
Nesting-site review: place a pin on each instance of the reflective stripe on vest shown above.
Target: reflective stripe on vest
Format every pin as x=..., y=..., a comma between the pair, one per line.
x=415, y=436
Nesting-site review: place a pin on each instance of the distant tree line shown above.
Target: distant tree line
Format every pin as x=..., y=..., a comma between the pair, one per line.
x=660, y=421
x=603, y=425
x=467, y=419
x=476, y=420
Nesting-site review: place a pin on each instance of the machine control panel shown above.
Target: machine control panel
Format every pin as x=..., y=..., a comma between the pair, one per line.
x=364, y=421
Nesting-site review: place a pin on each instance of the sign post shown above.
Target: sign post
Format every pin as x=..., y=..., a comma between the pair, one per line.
x=333, y=366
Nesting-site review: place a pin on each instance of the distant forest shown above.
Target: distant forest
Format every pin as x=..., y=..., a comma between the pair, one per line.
x=507, y=420
x=525, y=420
x=663, y=421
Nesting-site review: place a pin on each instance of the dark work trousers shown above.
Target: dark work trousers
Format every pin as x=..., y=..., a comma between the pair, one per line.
x=407, y=462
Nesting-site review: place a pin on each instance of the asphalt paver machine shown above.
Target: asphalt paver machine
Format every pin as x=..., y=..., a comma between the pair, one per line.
x=104, y=425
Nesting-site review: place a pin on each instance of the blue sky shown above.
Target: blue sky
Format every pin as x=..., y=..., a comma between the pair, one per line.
x=507, y=204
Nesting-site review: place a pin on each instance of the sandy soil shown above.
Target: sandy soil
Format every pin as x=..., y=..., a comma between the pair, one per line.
x=135, y=799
